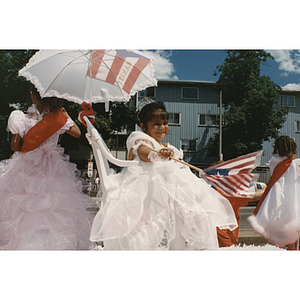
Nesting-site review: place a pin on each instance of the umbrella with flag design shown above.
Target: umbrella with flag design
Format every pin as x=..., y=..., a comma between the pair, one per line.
x=89, y=75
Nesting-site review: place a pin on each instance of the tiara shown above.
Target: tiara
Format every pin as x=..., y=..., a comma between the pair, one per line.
x=144, y=102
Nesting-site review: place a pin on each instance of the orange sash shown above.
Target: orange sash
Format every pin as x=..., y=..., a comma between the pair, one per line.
x=45, y=128
x=279, y=170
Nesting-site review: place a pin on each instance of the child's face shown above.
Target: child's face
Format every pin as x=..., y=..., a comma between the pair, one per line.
x=157, y=128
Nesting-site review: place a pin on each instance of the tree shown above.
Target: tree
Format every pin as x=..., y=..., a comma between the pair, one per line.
x=119, y=117
x=15, y=89
x=251, y=114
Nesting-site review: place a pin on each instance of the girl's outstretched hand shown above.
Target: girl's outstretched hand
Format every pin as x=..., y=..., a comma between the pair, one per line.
x=166, y=153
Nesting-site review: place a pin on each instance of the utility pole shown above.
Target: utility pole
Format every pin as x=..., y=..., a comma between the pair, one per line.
x=220, y=128
x=221, y=83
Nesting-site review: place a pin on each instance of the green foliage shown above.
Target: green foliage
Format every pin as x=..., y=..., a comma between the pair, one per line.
x=15, y=89
x=251, y=113
x=121, y=116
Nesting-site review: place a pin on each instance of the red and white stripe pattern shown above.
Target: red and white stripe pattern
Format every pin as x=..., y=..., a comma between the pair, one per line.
x=118, y=67
x=232, y=178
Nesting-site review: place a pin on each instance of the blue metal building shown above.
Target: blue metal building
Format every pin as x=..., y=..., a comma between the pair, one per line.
x=193, y=107
x=291, y=126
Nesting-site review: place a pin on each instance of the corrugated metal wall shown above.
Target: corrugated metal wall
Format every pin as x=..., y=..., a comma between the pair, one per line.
x=289, y=129
x=170, y=93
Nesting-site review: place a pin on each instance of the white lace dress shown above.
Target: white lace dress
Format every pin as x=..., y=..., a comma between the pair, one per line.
x=41, y=203
x=278, y=218
x=160, y=205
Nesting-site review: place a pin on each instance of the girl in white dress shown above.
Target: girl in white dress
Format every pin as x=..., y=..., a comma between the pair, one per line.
x=41, y=203
x=159, y=204
x=277, y=215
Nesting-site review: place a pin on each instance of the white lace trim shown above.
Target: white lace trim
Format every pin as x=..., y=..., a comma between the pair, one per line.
x=154, y=157
x=16, y=123
x=103, y=97
x=138, y=143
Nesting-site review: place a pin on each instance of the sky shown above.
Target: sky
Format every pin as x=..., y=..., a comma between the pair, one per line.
x=191, y=30
x=200, y=64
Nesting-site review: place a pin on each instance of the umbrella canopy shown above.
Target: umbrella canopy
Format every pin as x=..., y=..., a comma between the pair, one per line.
x=89, y=75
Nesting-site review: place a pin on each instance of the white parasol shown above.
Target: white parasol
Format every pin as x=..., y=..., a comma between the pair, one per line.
x=89, y=75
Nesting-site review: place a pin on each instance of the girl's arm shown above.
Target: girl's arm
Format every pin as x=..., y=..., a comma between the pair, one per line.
x=16, y=142
x=143, y=153
x=74, y=130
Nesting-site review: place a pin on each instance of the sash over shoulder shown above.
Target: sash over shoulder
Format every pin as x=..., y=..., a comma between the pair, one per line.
x=279, y=170
x=44, y=129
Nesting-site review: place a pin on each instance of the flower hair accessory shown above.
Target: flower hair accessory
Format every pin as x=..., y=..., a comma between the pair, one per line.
x=144, y=102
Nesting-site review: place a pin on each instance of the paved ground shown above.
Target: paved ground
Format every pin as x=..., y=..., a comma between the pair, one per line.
x=255, y=240
x=246, y=234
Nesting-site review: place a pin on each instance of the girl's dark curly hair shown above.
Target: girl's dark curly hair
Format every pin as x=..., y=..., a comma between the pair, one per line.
x=35, y=92
x=52, y=103
x=150, y=110
x=48, y=103
x=284, y=145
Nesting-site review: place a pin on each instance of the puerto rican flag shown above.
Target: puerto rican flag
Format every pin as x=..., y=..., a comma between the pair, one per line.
x=118, y=67
x=233, y=177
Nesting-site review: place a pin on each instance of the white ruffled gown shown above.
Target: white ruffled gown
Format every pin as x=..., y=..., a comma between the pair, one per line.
x=160, y=205
x=42, y=206
x=278, y=218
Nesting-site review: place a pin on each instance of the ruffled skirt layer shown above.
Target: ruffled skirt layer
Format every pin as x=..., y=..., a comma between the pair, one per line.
x=278, y=218
x=42, y=206
x=159, y=206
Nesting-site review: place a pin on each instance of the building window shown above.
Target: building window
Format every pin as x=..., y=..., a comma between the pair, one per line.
x=119, y=140
x=149, y=92
x=174, y=119
x=287, y=100
x=189, y=93
x=188, y=145
x=297, y=126
x=207, y=120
